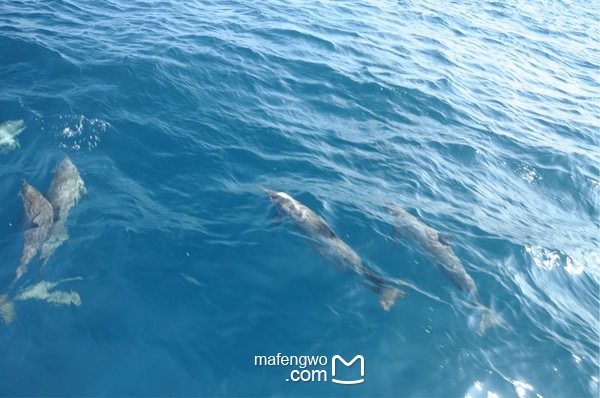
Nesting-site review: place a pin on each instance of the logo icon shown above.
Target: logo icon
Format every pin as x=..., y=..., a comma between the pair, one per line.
x=337, y=358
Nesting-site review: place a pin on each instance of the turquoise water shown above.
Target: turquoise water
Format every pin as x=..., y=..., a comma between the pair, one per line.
x=479, y=117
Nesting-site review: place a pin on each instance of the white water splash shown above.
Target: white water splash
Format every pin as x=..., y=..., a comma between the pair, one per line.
x=529, y=174
x=575, y=263
x=79, y=132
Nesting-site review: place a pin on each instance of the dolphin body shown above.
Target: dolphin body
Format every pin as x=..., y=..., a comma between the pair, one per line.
x=38, y=221
x=39, y=217
x=8, y=131
x=325, y=242
x=437, y=248
x=66, y=189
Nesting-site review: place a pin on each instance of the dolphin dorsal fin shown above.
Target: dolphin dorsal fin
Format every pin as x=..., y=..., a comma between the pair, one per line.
x=445, y=238
x=37, y=220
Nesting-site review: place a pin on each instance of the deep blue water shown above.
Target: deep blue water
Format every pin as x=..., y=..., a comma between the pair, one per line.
x=479, y=117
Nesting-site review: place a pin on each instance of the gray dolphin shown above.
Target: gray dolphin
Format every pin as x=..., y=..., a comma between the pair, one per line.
x=66, y=189
x=325, y=242
x=38, y=221
x=8, y=131
x=437, y=248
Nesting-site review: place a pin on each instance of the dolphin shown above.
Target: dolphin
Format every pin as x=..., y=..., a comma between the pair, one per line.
x=39, y=216
x=437, y=248
x=66, y=189
x=325, y=242
x=38, y=220
x=43, y=291
x=8, y=131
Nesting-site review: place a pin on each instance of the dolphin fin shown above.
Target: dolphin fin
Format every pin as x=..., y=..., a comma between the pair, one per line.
x=388, y=296
x=276, y=221
x=445, y=238
x=7, y=310
x=38, y=219
x=489, y=319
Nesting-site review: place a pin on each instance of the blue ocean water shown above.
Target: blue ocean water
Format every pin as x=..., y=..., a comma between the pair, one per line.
x=481, y=118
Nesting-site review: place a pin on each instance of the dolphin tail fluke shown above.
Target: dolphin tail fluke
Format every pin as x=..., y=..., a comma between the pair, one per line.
x=388, y=296
x=7, y=310
x=489, y=319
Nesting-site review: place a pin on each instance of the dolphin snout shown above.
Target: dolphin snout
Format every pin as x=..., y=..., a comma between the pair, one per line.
x=270, y=194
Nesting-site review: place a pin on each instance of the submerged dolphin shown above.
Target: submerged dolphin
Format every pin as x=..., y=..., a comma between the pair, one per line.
x=65, y=190
x=45, y=291
x=38, y=221
x=437, y=248
x=325, y=242
x=42, y=291
x=8, y=131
